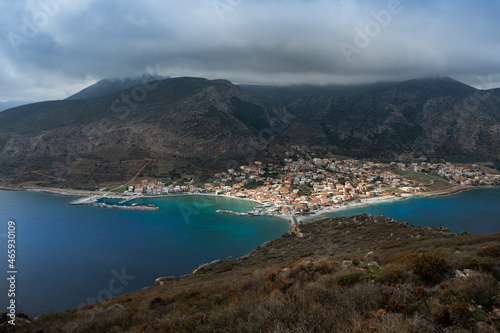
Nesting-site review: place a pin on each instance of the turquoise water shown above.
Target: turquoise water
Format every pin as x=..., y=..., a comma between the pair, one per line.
x=475, y=211
x=69, y=255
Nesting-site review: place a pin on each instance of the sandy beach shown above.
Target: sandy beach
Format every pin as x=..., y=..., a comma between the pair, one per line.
x=200, y=194
x=363, y=203
x=58, y=191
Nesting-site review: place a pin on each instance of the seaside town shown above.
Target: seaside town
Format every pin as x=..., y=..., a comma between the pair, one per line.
x=318, y=185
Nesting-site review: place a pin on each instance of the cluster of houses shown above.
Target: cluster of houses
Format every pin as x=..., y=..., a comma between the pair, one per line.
x=304, y=186
x=461, y=175
x=159, y=188
x=308, y=185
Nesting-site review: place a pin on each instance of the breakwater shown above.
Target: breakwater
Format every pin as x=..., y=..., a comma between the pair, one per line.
x=92, y=201
x=228, y=212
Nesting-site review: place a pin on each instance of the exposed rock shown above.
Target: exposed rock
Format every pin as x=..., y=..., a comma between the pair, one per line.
x=162, y=280
x=115, y=307
x=484, y=328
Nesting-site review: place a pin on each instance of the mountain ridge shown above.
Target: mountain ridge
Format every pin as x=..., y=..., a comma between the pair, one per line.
x=215, y=121
x=108, y=86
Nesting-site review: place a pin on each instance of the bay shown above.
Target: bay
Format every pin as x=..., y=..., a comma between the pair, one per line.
x=67, y=255
x=476, y=211
x=71, y=255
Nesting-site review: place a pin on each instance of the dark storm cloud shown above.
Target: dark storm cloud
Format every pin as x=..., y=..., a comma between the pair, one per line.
x=52, y=48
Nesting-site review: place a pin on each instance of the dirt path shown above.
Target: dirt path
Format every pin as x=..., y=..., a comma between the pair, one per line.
x=48, y=176
x=139, y=172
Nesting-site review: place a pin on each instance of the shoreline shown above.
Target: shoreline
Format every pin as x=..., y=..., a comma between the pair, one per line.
x=196, y=194
x=363, y=203
x=289, y=217
x=51, y=190
x=75, y=192
x=453, y=190
x=88, y=193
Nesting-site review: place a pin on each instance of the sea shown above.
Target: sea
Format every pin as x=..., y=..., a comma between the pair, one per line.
x=476, y=211
x=68, y=256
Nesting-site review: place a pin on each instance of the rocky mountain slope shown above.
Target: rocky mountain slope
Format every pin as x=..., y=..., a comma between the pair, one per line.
x=192, y=124
x=108, y=86
x=438, y=118
x=350, y=274
x=10, y=104
x=186, y=118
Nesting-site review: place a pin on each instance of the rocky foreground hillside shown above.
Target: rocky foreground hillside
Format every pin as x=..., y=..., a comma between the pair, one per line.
x=349, y=274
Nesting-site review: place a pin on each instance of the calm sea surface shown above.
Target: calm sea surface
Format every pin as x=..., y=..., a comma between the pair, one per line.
x=70, y=255
x=475, y=211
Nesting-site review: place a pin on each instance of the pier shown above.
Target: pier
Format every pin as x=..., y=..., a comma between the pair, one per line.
x=92, y=201
x=229, y=212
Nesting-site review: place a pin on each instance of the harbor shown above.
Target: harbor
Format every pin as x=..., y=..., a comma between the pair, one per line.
x=94, y=201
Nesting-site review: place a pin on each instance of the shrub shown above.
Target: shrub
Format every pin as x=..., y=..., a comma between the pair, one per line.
x=489, y=250
x=419, y=292
x=459, y=312
x=349, y=277
x=363, y=298
x=480, y=263
x=396, y=322
x=325, y=267
x=479, y=287
x=282, y=285
x=393, y=274
x=302, y=272
x=442, y=316
x=156, y=303
x=395, y=305
x=430, y=267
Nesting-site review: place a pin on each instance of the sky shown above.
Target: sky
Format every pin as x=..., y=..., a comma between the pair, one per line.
x=51, y=49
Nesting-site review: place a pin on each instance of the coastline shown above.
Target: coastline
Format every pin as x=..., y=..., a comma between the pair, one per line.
x=453, y=190
x=363, y=203
x=10, y=189
x=51, y=190
x=85, y=195
x=194, y=194
x=75, y=192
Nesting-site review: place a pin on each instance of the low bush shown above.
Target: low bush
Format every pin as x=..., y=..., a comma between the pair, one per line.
x=156, y=303
x=479, y=288
x=349, y=277
x=489, y=250
x=393, y=274
x=459, y=312
x=480, y=263
x=430, y=267
x=398, y=323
